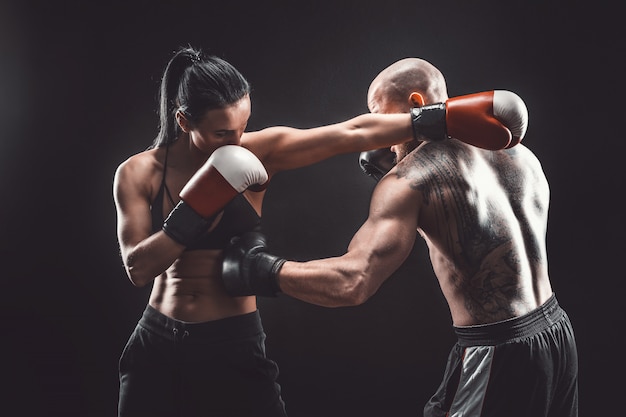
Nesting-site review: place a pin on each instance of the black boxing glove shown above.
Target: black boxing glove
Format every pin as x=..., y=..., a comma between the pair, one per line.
x=247, y=268
x=377, y=163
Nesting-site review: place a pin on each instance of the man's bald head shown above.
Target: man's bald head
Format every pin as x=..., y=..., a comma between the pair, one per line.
x=392, y=87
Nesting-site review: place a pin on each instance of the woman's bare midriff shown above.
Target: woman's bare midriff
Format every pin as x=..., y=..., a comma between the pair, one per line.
x=191, y=290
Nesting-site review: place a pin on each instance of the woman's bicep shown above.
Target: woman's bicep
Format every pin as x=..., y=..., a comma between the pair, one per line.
x=132, y=209
x=284, y=148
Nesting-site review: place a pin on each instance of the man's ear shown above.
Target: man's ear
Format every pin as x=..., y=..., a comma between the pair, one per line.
x=182, y=121
x=416, y=100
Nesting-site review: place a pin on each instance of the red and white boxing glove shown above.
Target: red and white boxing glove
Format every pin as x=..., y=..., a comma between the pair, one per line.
x=490, y=120
x=230, y=170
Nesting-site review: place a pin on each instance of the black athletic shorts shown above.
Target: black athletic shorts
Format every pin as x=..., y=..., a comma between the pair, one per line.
x=523, y=367
x=217, y=368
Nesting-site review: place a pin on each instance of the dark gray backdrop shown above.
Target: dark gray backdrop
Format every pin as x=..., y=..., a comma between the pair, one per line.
x=78, y=86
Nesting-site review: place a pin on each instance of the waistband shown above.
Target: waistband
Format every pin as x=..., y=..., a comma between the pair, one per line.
x=527, y=325
x=216, y=330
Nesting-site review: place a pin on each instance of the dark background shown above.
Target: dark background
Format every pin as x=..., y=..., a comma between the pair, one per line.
x=78, y=83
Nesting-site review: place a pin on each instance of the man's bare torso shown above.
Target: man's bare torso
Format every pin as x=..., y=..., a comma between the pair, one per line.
x=483, y=215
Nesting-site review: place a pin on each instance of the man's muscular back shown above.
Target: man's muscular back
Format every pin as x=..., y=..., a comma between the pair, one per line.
x=483, y=215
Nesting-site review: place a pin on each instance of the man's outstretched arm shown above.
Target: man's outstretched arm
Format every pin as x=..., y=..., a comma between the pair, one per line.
x=377, y=250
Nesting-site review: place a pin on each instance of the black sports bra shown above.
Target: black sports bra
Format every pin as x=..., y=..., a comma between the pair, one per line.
x=239, y=217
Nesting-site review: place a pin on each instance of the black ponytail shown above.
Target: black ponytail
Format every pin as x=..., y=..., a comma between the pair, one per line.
x=193, y=84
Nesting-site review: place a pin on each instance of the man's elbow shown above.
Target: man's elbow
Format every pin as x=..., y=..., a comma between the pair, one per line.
x=356, y=290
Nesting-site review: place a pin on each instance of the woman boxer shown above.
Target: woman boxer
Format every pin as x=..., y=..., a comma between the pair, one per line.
x=196, y=350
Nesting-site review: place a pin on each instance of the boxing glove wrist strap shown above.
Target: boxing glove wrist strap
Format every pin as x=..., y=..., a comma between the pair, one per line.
x=429, y=122
x=268, y=267
x=184, y=225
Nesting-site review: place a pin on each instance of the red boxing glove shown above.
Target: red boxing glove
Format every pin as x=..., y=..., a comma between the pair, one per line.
x=230, y=170
x=490, y=120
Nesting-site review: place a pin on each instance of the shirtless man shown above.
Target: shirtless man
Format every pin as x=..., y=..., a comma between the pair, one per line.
x=483, y=215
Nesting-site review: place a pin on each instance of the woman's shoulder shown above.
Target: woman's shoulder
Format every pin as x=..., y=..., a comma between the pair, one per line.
x=141, y=166
x=147, y=159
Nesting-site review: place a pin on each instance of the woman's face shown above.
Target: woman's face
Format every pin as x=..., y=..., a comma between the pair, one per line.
x=220, y=127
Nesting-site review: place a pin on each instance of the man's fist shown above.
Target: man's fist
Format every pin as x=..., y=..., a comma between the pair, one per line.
x=248, y=269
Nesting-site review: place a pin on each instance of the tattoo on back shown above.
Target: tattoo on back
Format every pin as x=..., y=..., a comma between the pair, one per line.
x=469, y=229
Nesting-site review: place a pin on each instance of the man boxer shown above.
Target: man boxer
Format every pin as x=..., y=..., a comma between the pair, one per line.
x=483, y=215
